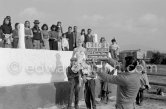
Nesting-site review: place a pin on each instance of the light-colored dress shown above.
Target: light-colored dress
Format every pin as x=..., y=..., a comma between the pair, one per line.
x=28, y=38
x=81, y=62
x=45, y=38
x=65, y=44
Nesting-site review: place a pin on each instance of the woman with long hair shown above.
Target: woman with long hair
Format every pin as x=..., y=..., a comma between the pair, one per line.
x=28, y=36
x=83, y=37
x=79, y=54
x=7, y=32
x=45, y=36
x=53, y=38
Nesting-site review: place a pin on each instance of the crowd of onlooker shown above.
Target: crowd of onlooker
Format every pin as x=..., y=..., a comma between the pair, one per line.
x=37, y=37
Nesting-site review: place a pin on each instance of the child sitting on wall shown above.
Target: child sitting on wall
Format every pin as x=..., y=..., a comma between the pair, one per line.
x=114, y=49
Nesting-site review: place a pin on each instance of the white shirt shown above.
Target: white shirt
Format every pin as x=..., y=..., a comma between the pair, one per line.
x=65, y=43
x=115, y=47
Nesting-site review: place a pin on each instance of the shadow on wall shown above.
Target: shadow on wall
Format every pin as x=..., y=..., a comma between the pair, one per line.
x=62, y=88
x=46, y=93
x=58, y=74
x=35, y=96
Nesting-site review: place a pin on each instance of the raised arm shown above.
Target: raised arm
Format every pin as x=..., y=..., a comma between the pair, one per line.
x=119, y=80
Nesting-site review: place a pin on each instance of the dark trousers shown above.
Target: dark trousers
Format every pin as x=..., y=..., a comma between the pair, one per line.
x=74, y=91
x=90, y=94
x=140, y=96
x=102, y=92
x=15, y=43
x=53, y=44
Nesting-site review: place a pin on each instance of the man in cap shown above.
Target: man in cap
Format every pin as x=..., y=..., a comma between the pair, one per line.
x=37, y=39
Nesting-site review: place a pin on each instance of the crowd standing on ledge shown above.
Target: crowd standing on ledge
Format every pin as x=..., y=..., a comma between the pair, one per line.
x=52, y=38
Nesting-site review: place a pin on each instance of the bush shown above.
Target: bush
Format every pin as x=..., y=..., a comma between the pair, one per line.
x=157, y=58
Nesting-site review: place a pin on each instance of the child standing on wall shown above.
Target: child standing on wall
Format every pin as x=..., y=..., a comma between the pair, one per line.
x=114, y=49
x=65, y=43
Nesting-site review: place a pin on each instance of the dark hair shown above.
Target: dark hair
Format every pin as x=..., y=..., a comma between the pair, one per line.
x=89, y=29
x=7, y=19
x=44, y=26
x=53, y=26
x=131, y=62
x=28, y=22
x=16, y=24
x=69, y=27
x=63, y=34
x=102, y=39
x=113, y=40
x=82, y=32
x=59, y=22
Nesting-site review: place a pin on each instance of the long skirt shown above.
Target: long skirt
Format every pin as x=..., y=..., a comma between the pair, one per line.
x=46, y=44
x=28, y=43
x=53, y=44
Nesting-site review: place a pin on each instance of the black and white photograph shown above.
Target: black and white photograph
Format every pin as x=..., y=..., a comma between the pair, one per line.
x=82, y=54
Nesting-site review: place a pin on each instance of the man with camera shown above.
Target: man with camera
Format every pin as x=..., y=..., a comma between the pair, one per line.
x=128, y=82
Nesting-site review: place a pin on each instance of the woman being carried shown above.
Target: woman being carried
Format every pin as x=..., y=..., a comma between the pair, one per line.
x=79, y=54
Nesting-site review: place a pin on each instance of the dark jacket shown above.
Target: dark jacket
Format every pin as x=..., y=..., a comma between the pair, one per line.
x=71, y=74
x=6, y=29
x=88, y=38
x=36, y=33
x=128, y=86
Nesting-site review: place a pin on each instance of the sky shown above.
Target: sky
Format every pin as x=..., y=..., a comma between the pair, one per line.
x=134, y=23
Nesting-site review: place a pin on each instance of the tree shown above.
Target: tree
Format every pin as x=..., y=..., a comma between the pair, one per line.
x=157, y=58
x=164, y=61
